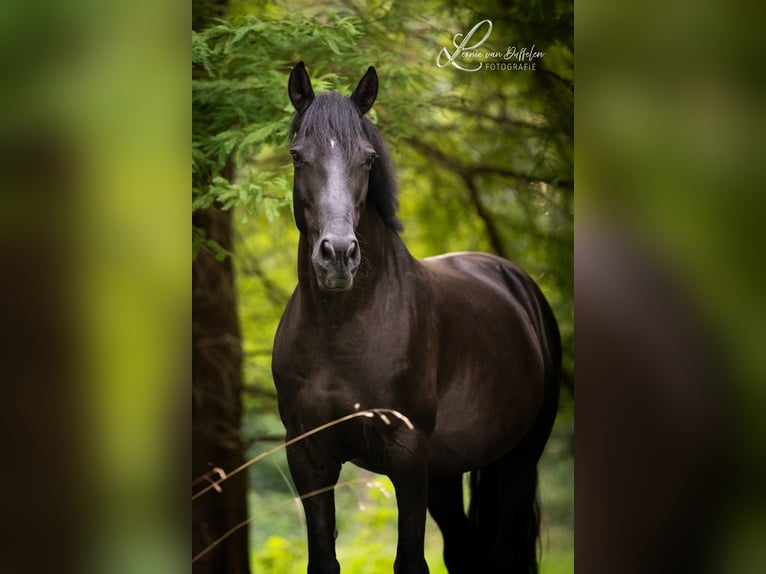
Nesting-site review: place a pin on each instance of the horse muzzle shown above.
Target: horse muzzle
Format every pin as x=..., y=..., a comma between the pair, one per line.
x=336, y=259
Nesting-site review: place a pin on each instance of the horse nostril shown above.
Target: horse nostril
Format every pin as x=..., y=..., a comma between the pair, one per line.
x=335, y=251
x=326, y=250
x=352, y=251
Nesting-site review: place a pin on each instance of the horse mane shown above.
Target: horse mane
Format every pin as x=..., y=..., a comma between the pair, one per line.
x=333, y=116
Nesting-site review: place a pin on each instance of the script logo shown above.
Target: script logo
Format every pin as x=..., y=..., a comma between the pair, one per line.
x=462, y=44
x=469, y=58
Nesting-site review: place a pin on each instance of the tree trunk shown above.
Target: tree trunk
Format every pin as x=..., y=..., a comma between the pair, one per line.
x=216, y=386
x=217, y=405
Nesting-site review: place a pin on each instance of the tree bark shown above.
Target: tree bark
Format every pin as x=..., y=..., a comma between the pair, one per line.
x=216, y=386
x=217, y=405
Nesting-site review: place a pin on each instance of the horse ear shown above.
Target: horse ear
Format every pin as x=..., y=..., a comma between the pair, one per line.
x=365, y=93
x=299, y=88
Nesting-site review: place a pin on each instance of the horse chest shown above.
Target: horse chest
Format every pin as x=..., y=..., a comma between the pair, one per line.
x=361, y=367
x=334, y=375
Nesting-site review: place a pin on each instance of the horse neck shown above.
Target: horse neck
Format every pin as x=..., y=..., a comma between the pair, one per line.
x=385, y=264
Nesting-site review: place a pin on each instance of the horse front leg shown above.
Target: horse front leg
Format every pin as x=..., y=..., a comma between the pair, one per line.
x=409, y=473
x=315, y=477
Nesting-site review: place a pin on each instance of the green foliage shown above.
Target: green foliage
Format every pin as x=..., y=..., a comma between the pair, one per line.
x=239, y=104
x=200, y=240
x=278, y=555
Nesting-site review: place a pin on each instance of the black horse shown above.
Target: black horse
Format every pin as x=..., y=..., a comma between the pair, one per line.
x=463, y=345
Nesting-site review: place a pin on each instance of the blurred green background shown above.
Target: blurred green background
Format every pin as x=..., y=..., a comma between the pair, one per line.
x=484, y=162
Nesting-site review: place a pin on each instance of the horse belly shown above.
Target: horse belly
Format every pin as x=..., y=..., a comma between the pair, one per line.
x=472, y=436
x=490, y=393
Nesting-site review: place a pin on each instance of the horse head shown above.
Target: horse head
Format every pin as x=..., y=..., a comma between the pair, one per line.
x=332, y=159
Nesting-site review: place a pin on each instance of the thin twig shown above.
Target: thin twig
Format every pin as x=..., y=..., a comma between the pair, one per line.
x=369, y=413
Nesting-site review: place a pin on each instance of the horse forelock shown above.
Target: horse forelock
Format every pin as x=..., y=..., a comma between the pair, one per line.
x=330, y=120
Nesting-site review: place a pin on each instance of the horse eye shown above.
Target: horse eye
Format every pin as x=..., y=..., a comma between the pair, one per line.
x=370, y=159
x=297, y=159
